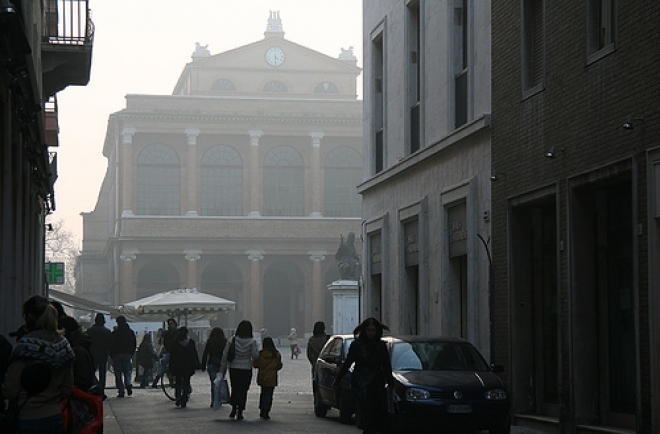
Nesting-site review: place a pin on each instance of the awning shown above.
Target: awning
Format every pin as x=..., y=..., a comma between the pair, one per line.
x=81, y=303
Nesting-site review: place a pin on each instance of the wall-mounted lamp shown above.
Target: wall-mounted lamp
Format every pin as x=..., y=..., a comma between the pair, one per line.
x=496, y=176
x=552, y=153
x=629, y=125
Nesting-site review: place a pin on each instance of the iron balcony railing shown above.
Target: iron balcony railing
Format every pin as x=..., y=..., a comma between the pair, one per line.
x=68, y=22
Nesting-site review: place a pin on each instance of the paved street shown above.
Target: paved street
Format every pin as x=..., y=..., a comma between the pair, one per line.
x=150, y=411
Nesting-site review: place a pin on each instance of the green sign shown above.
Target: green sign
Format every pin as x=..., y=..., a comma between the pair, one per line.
x=55, y=273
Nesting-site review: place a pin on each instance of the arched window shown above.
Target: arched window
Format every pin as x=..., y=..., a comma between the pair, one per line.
x=284, y=182
x=343, y=172
x=275, y=87
x=158, y=189
x=223, y=85
x=222, y=182
x=326, y=87
x=155, y=277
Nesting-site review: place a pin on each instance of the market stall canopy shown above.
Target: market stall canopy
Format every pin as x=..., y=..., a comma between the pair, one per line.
x=188, y=303
x=76, y=302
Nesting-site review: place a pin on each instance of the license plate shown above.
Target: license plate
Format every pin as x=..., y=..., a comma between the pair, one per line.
x=454, y=408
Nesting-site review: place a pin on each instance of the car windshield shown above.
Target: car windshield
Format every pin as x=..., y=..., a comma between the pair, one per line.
x=437, y=356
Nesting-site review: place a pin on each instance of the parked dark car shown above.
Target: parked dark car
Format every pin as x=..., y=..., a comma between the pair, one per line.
x=330, y=360
x=446, y=382
x=440, y=383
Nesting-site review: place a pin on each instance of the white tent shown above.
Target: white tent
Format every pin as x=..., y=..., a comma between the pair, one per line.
x=188, y=303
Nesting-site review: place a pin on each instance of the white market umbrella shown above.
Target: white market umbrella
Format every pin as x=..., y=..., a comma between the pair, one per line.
x=187, y=302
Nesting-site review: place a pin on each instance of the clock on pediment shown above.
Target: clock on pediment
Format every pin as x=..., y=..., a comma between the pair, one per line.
x=275, y=56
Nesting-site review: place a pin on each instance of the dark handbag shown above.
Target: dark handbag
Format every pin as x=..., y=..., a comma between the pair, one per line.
x=231, y=353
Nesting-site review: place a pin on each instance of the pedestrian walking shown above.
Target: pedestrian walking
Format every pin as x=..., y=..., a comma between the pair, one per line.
x=293, y=343
x=166, y=339
x=101, y=339
x=372, y=371
x=122, y=351
x=183, y=363
x=316, y=342
x=49, y=359
x=212, y=356
x=83, y=364
x=268, y=363
x=145, y=358
x=238, y=354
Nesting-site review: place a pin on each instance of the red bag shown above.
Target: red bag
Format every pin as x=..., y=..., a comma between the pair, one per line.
x=82, y=413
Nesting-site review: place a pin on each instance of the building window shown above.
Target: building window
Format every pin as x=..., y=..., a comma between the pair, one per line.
x=533, y=44
x=223, y=85
x=601, y=25
x=158, y=189
x=460, y=61
x=343, y=172
x=327, y=88
x=414, y=74
x=222, y=182
x=284, y=182
x=378, y=101
x=275, y=87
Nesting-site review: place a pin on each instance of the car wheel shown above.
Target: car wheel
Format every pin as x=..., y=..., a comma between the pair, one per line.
x=320, y=409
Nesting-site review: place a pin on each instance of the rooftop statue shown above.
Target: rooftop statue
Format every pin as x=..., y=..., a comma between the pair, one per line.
x=348, y=259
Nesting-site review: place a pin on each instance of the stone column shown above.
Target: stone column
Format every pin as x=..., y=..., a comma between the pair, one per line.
x=256, y=178
x=192, y=192
x=317, y=296
x=317, y=181
x=126, y=172
x=192, y=256
x=127, y=292
x=254, y=308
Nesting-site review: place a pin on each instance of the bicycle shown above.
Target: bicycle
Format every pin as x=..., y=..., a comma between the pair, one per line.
x=167, y=383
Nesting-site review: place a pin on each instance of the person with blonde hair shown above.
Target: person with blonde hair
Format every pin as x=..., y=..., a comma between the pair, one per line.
x=48, y=358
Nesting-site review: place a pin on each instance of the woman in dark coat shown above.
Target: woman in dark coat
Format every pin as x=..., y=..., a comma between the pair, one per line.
x=183, y=363
x=83, y=365
x=212, y=357
x=372, y=371
x=145, y=358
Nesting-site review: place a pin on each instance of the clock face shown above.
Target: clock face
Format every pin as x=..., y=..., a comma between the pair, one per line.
x=275, y=56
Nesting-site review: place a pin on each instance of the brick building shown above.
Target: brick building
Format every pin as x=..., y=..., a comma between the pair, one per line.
x=576, y=212
x=240, y=184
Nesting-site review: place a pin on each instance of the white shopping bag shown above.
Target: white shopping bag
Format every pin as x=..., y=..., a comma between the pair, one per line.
x=220, y=391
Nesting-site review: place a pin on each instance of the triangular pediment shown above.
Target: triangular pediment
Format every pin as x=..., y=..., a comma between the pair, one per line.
x=247, y=70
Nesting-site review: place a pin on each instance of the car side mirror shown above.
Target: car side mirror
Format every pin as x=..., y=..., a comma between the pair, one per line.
x=496, y=368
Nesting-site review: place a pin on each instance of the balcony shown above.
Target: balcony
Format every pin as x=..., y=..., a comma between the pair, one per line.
x=66, y=45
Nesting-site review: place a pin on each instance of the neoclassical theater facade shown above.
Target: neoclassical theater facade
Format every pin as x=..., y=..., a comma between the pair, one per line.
x=240, y=184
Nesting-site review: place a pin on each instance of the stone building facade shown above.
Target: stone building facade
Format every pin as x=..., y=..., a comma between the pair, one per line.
x=240, y=184
x=426, y=194
x=576, y=219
